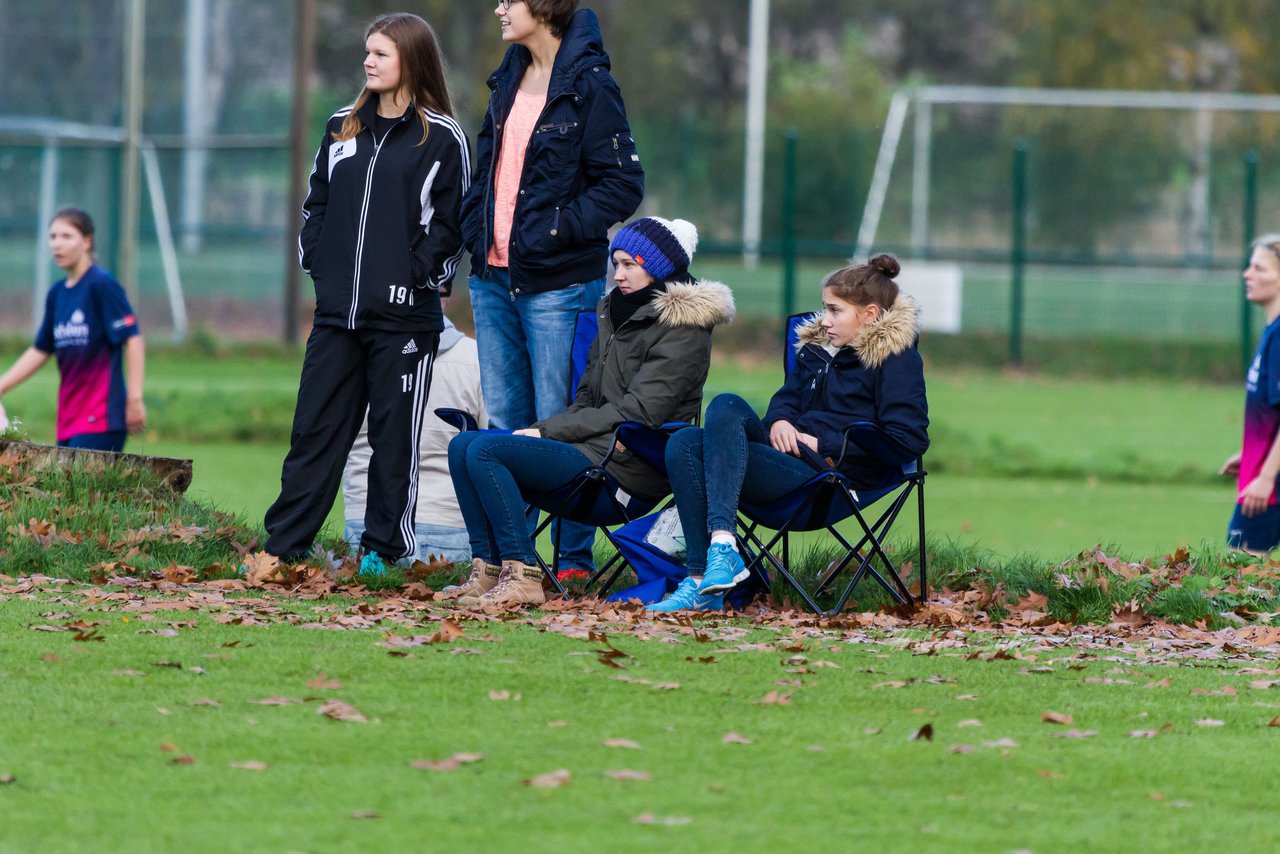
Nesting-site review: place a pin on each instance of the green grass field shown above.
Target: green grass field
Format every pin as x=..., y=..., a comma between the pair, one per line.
x=1034, y=464
x=133, y=721
x=157, y=737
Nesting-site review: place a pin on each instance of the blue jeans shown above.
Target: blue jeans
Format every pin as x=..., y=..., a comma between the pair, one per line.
x=491, y=472
x=712, y=467
x=438, y=541
x=524, y=344
x=112, y=440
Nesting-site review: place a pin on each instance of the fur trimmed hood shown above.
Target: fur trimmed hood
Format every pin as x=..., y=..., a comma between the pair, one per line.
x=704, y=304
x=893, y=331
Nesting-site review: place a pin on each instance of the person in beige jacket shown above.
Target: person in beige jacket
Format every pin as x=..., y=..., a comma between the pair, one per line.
x=438, y=525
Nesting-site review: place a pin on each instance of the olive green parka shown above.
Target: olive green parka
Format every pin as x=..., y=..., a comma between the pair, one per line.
x=650, y=369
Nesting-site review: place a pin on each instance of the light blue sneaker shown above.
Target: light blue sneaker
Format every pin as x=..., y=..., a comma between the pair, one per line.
x=724, y=569
x=373, y=564
x=687, y=598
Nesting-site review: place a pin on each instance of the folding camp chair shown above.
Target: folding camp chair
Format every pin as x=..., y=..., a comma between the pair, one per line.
x=828, y=498
x=593, y=497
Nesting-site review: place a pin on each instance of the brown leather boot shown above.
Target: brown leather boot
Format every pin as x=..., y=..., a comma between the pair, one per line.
x=484, y=577
x=521, y=584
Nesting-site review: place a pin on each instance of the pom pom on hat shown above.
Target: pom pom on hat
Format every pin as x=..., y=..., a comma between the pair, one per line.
x=663, y=247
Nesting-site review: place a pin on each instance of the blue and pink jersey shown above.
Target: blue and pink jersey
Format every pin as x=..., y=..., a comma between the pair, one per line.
x=1261, y=406
x=85, y=327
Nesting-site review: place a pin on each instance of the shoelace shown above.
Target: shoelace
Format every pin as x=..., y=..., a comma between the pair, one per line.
x=476, y=572
x=503, y=578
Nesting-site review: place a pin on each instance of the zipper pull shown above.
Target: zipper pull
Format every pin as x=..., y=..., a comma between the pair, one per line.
x=616, y=155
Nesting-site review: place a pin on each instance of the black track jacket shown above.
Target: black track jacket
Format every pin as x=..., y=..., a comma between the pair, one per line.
x=381, y=239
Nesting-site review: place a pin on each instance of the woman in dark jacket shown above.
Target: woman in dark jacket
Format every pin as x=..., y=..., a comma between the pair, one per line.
x=556, y=167
x=381, y=241
x=648, y=363
x=857, y=362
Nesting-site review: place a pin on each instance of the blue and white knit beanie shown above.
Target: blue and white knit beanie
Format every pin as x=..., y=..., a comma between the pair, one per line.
x=663, y=247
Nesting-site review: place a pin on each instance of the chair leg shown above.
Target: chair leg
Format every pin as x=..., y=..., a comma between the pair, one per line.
x=924, y=577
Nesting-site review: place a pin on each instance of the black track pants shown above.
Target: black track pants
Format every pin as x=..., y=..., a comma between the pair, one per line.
x=344, y=372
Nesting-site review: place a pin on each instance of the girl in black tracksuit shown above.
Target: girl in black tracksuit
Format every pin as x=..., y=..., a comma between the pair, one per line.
x=381, y=242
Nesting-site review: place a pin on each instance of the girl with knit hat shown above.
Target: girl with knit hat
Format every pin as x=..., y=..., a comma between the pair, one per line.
x=856, y=361
x=648, y=363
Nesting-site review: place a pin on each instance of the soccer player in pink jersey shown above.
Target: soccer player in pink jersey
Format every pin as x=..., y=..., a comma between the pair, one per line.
x=90, y=328
x=1255, y=524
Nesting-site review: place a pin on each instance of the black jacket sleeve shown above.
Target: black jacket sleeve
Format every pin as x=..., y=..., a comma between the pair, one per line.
x=438, y=248
x=313, y=207
x=611, y=166
x=785, y=403
x=473, y=213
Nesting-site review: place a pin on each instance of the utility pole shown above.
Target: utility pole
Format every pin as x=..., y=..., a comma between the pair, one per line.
x=753, y=179
x=135, y=29
x=304, y=42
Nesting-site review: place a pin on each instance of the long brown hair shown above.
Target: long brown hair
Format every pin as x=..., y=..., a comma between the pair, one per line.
x=421, y=71
x=871, y=283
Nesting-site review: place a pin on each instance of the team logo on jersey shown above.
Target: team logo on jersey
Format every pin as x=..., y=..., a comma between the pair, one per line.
x=73, y=333
x=127, y=320
x=340, y=151
x=411, y=347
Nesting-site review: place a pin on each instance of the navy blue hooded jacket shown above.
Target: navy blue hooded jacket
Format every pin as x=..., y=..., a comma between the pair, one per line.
x=879, y=378
x=581, y=171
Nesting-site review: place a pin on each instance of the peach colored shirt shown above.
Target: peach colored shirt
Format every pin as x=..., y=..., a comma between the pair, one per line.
x=506, y=178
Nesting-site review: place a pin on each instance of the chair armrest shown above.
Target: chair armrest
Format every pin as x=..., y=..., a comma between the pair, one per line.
x=874, y=440
x=647, y=443
x=459, y=419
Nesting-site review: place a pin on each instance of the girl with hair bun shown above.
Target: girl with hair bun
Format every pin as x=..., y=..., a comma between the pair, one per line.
x=856, y=361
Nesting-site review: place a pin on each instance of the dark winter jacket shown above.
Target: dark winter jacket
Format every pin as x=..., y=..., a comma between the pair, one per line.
x=381, y=238
x=879, y=378
x=650, y=369
x=581, y=172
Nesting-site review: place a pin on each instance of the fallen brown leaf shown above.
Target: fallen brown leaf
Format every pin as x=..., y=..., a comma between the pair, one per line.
x=183, y=760
x=627, y=775
x=448, y=632
x=1055, y=718
x=453, y=763
x=340, y=711
x=7, y=779
x=551, y=780
x=324, y=683
x=169, y=748
x=250, y=765
x=1209, y=722
x=969, y=722
x=1077, y=733
x=925, y=733
x=621, y=742
x=668, y=821
x=773, y=698
x=503, y=695
x=364, y=814
x=276, y=701
x=734, y=738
